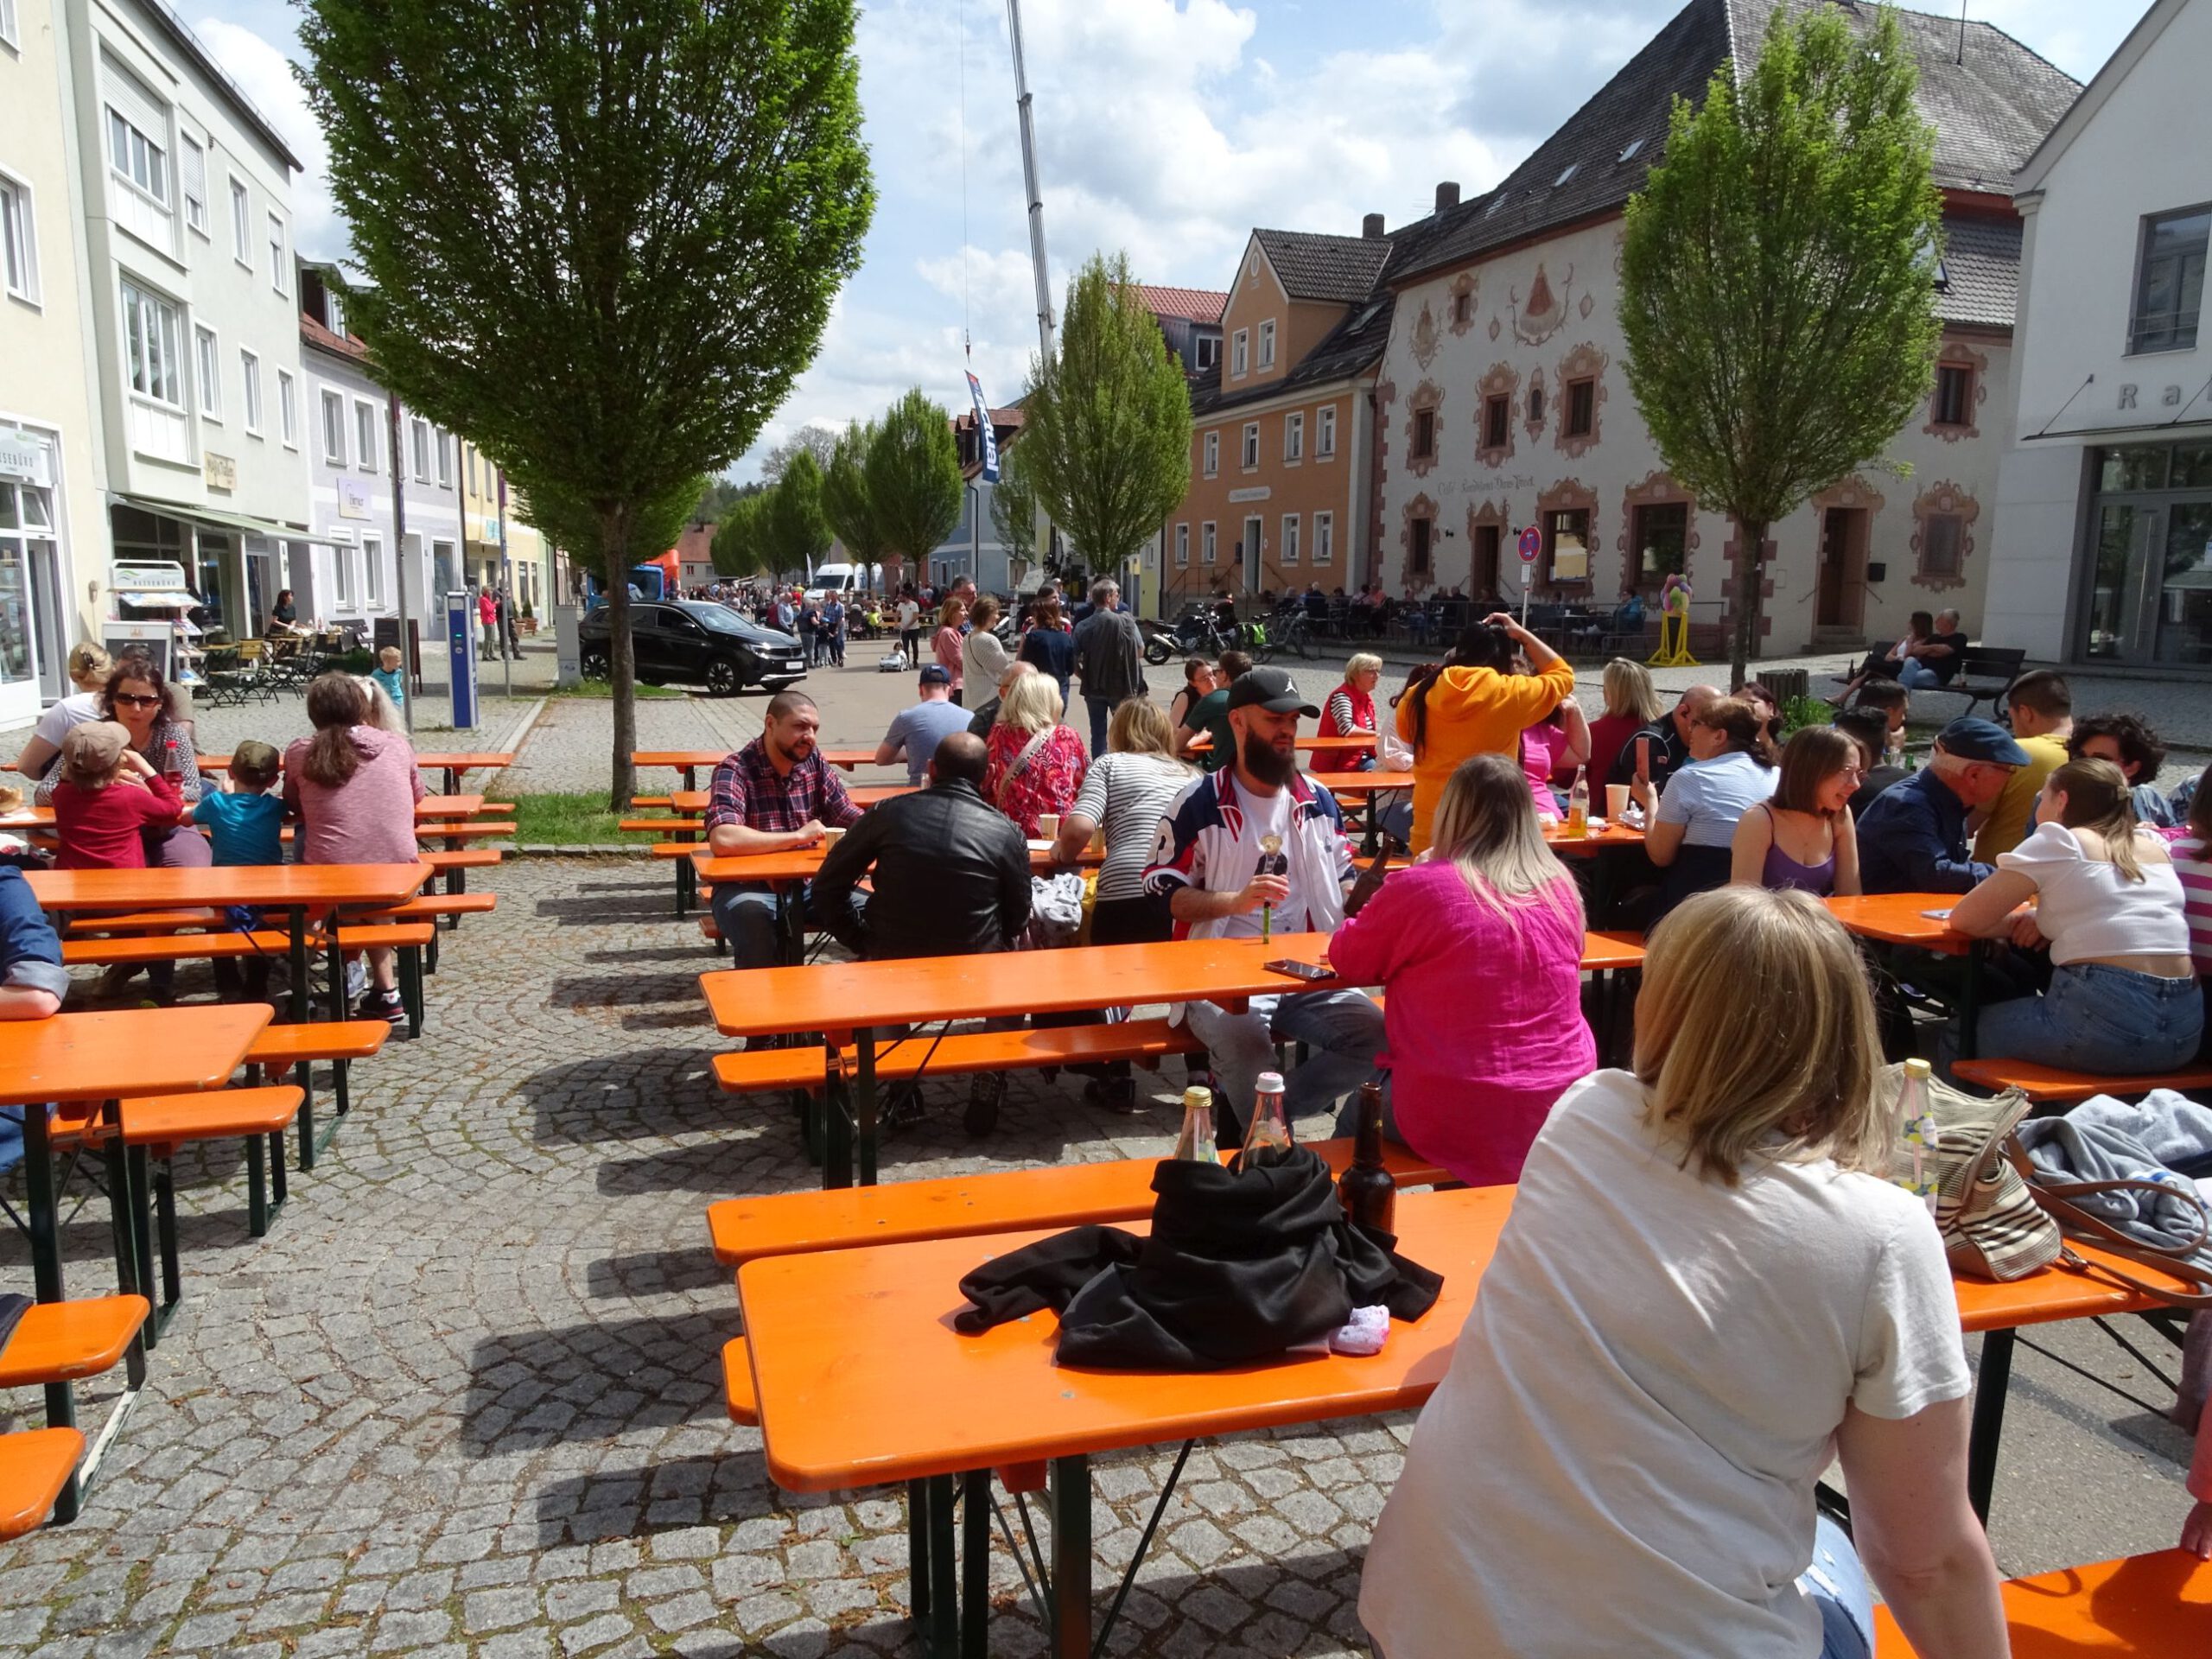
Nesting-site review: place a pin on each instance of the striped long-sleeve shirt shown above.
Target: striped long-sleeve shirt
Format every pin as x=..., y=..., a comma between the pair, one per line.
x=2192, y=859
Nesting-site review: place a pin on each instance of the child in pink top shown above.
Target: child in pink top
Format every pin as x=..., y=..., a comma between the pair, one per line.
x=1484, y=1023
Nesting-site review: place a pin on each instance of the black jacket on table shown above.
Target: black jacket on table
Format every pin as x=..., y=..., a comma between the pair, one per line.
x=951, y=878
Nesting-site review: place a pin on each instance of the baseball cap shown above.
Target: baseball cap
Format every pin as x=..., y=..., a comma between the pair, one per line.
x=1271, y=688
x=1971, y=739
x=937, y=674
x=91, y=750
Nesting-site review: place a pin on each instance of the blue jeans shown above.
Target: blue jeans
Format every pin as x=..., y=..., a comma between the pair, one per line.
x=1101, y=709
x=1342, y=1029
x=746, y=915
x=1916, y=675
x=2109, y=1021
x=1837, y=1585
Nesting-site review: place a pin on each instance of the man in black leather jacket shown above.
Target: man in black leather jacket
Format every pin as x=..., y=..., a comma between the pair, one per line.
x=952, y=870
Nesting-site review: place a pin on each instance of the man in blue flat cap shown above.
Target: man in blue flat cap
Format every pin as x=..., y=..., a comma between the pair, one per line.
x=1914, y=836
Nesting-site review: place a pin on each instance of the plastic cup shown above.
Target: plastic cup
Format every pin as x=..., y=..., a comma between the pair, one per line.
x=832, y=836
x=1616, y=802
x=1048, y=825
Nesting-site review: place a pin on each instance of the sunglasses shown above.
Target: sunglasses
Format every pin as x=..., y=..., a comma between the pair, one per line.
x=136, y=702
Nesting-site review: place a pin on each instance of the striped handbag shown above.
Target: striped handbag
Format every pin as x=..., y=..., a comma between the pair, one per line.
x=1991, y=1225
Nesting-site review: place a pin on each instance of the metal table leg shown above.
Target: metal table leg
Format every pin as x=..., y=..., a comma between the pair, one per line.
x=837, y=1132
x=975, y=1564
x=1991, y=1384
x=918, y=1550
x=1970, y=1004
x=943, y=1631
x=864, y=1106
x=297, y=922
x=1070, y=1631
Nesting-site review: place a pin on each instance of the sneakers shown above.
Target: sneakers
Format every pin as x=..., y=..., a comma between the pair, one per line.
x=382, y=1005
x=985, y=1096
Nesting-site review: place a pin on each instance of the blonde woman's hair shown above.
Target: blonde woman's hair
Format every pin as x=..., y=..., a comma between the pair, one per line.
x=1629, y=690
x=89, y=666
x=1486, y=825
x=1754, y=1036
x=384, y=712
x=950, y=612
x=1032, y=703
x=2097, y=799
x=1139, y=727
x=985, y=612
x=1361, y=661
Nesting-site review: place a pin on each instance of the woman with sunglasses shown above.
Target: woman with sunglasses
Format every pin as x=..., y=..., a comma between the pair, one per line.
x=142, y=701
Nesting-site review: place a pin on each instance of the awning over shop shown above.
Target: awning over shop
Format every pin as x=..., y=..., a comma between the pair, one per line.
x=216, y=518
x=2163, y=432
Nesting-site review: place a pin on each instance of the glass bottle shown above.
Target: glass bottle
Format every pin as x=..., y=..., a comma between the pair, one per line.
x=1270, y=1130
x=1369, y=1195
x=1273, y=861
x=1195, y=1144
x=1917, y=1134
x=1578, y=807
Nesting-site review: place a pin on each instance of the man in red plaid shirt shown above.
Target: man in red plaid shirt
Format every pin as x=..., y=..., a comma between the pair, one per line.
x=775, y=794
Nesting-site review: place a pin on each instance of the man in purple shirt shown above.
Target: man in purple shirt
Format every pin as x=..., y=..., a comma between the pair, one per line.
x=775, y=794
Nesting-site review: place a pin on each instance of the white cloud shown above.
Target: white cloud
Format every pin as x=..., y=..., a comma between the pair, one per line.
x=264, y=75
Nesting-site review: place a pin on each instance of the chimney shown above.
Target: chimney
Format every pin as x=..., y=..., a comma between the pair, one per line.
x=1447, y=195
x=1371, y=227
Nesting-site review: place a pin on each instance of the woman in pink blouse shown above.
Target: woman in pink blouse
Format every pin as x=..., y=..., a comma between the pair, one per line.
x=1479, y=948
x=948, y=646
x=353, y=788
x=1037, y=763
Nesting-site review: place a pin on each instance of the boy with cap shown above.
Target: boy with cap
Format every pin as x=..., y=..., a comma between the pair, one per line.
x=107, y=799
x=1207, y=862
x=1913, y=838
x=916, y=731
x=245, y=825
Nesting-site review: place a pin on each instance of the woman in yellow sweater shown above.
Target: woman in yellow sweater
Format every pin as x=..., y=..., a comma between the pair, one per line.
x=1476, y=704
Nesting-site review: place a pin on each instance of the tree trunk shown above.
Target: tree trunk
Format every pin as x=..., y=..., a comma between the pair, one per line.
x=621, y=652
x=1751, y=537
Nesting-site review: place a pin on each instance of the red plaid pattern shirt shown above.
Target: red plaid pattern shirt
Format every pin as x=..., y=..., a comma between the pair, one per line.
x=748, y=791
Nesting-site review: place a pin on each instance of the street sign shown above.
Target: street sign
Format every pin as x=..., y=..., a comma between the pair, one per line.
x=1531, y=545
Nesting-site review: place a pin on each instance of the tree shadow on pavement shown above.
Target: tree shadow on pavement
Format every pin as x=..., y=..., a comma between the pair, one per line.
x=531, y=1389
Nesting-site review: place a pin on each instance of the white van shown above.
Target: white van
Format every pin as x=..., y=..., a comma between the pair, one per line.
x=844, y=579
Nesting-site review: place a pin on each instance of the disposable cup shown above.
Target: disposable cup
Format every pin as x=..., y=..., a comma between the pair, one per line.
x=1616, y=801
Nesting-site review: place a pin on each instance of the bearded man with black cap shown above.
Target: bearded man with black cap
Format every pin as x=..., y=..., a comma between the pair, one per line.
x=1208, y=859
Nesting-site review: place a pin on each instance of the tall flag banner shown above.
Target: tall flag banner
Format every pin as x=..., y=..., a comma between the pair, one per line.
x=984, y=425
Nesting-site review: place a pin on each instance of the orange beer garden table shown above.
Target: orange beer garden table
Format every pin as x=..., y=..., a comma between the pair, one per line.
x=296, y=889
x=862, y=795
x=687, y=762
x=859, y=1378
x=106, y=1057
x=1902, y=919
x=454, y=764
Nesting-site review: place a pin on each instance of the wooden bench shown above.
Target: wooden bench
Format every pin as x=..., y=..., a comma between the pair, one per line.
x=429, y=907
x=957, y=1206
x=2047, y=1083
x=67, y=1342
x=2158, y=1606
x=409, y=938
x=901, y=1059
x=474, y=830
x=35, y=1463
x=455, y=862
x=296, y=1048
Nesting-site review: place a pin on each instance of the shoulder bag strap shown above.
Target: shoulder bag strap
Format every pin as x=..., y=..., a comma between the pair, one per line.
x=1021, y=764
x=2172, y=1260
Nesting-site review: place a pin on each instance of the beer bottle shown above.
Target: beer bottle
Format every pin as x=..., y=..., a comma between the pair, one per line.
x=1578, y=807
x=1195, y=1144
x=1273, y=861
x=1369, y=1195
x=1270, y=1129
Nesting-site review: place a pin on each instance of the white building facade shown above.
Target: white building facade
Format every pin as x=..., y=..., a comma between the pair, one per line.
x=2104, y=515
x=53, y=517
x=186, y=225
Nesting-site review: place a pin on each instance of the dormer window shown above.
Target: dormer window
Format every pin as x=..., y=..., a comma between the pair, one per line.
x=1567, y=173
x=1628, y=153
x=333, y=310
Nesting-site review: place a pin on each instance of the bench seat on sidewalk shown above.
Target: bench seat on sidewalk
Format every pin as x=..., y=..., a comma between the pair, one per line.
x=2047, y=1083
x=899, y=1060
x=35, y=1463
x=957, y=1206
x=67, y=1342
x=2158, y=1606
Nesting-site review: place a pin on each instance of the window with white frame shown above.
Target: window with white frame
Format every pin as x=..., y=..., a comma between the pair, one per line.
x=1182, y=544
x=193, y=166
x=250, y=371
x=333, y=312
x=288, y=408
x=1325, y=537
x=153, y=337
x=1251, y=445
x=207, y=359
x=241, y=223
x=8, y=23
x=373, y=572
x=364, y=436
x=421, y=431
x=137, y=157
x=18, y=241
x=1293, y=436
x=341, y=567
x=280, y=276
x=439, y=442
x=1289, y=551
x=1324, y=434
x=1267, y=344
x=1212, y=454
x=1209, y=542
x=334, y=429
x=1239, y=351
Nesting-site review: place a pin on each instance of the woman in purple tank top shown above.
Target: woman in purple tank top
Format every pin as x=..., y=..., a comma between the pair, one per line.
x=1803, y=837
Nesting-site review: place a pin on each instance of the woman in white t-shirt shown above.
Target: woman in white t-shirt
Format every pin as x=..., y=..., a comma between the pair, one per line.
x=89, y=667
x=2123, y=996
x=1707, y=1290
x=1691, y=833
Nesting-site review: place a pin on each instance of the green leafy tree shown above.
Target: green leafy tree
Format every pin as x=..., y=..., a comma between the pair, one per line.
x=845, y=499
x=796, y=533
x=1014, y=508
x=739, y=549
x=1777, y=289
x=1106, y=425
x=913, y=478
x=601, y=239
x=714, y=501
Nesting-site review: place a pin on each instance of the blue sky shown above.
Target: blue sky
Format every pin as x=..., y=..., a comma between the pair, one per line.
x=1168, y=128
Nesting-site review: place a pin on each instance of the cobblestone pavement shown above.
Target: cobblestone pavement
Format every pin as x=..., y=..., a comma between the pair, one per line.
x=465, y=1399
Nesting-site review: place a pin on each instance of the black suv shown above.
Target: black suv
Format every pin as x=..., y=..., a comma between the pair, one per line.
x=691, y=642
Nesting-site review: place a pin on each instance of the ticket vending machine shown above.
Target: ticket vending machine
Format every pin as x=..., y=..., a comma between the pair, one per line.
x=461, y=657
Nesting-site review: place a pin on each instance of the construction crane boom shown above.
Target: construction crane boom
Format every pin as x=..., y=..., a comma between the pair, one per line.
x=1029, y=179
